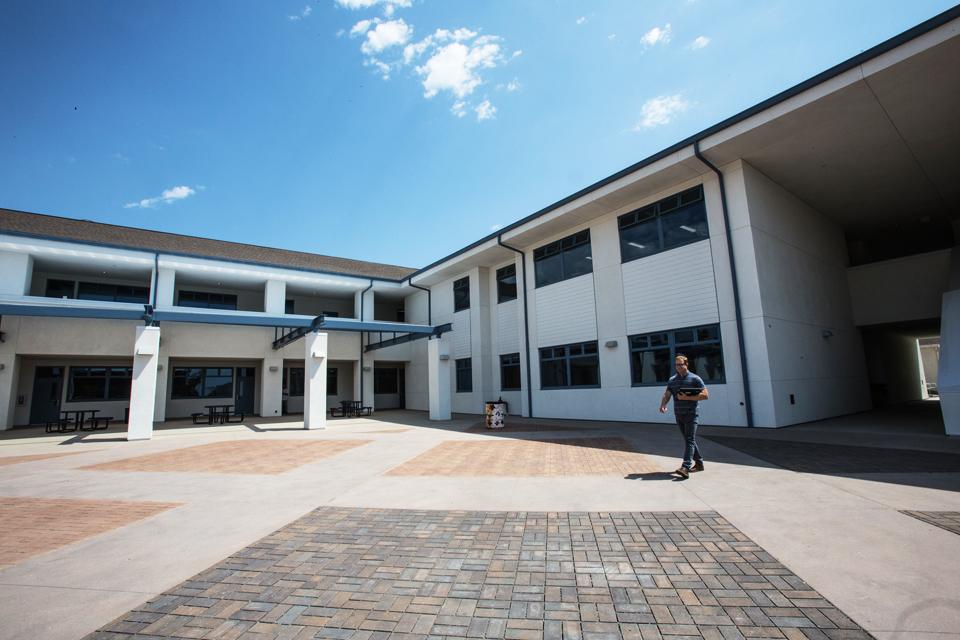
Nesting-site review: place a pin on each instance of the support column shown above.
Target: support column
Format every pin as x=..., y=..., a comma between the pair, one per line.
x=315, y=382
x=948, y=371
x=9, y=374
x=17, y=270
x=143, y=389
x=438, y=378
x=275, y=296
x=363, y=377
x=160, y=402
x=166, y=282
x=271, y=387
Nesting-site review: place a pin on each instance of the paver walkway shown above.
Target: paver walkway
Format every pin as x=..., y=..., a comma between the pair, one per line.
x=377, y=573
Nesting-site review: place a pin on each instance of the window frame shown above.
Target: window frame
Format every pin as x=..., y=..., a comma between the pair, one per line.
x=205, y=302
x=112, y=375
x=566, y=358
x=658, y=211
x=463, y=375
x=504, y=364
x=459, y=286
x=203, y=393
x=292, y=384
x=673, y=347
x=504, y=273
x=561, y=248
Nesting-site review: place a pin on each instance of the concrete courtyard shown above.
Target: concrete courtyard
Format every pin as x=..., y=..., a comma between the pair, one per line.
x=394, y=526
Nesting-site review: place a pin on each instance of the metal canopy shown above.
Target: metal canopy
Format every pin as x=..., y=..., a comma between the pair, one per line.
x=321, y=323
x=63, y=308
x=409, y=337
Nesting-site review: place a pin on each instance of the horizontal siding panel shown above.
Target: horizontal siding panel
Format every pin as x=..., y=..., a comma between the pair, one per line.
x=566, y=312
x=460, y=345
x=651, y=300
x=508, y=327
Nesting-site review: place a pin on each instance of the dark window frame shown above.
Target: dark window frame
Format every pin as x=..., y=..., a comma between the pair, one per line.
x=461, y=294
x=561, y=250
x=690, y=200
x=380, y=380
x=463, y=368
x=511, y=361
x=503, y=286
x=294, y=381
x=673, y=346
x=203, y=391
x=207, y=300
x=60, y=282
x=565, y=354
x=116, y=383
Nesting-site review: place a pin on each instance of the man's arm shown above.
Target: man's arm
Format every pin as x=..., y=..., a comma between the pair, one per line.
x=665, y=400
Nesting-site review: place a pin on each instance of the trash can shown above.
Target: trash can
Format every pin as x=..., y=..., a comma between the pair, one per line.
x=495, y=414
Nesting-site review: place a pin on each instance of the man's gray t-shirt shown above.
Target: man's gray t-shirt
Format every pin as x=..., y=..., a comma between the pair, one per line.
x=689, y=381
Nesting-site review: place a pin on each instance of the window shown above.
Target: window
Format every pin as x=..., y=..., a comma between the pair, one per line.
x=401, y=315
x=205, y=300
x=331, y=381
x=671, y=222
x=464, y=375
x=385, y=380
x=572, y=365
x=60, y=288
x=652, y=354
x=112, y=292
x=293, y=381
x=202, y=382
x=461, y=294
x=289, y=305
x=99, y=383
x=510, y=372
x=507, y=283
x=331, y=314
x=563, y=259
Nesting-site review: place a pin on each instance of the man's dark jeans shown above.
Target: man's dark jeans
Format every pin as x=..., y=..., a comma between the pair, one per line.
x=687, y=422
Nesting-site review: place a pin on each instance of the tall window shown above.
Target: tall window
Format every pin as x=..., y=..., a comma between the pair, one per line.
x=60, y=288
x=507, y=283
x=510, y=372
x=461, y=294
x=293, y=381
x=99, y=383
x=571, y=365
x=563, y=259
x=464, y=375
x=102, y=291
x=202, y=382
x=289, y=305
x=385, y=380
x=332, y=381
x=652, y=354
x=206, y=300
x=671, y=222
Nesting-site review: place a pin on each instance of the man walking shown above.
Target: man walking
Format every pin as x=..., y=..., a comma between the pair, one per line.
x=687, y=389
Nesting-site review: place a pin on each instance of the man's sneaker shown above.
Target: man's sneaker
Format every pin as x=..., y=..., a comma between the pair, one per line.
x=697, y=466
x=683, y=472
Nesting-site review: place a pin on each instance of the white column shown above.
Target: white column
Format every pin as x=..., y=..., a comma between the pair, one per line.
x=9, y=374
x=271, y=387
x=166, y=281
x=143, y=389
x=163, y=375
x=948, y=376
x=17, y=270
x=438, y=378
x=275, y=296
x=363, y=387
x=315, y=382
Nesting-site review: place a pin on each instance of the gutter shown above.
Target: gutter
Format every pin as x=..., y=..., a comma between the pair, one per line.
x=736, y=288
x=429, y=299
x=526, y=322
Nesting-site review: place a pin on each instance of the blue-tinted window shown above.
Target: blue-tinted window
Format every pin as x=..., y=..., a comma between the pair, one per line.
x=672, y=222
x=652, y=354
x=461, y=294
x=464, y=375
x=571, y=365
x=564, y=259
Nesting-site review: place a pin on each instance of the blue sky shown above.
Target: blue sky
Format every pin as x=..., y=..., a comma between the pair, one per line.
x=396, y=131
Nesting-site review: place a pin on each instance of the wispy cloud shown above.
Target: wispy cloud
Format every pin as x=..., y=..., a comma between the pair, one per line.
x=384, y=35
x=612, y=36
x=657, y=35
x=700, y=42
x=581, y=19
x=169, y=196
x=485, y=111
x=510, y=87
x=307, y=10
x=389, y=6
x=660, y=111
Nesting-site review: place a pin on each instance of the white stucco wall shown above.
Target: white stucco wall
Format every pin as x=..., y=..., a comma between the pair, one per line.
x=909, y=288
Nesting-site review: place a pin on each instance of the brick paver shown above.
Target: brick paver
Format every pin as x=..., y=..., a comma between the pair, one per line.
x=523, y=426
x=816, y=457
x=949, y=520
x=370, y=573
x=6, y=460
x=31, y=526
x=241, y=456
x=566, y=457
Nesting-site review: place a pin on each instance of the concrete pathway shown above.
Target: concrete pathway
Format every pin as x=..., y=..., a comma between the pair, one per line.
x=842, y=534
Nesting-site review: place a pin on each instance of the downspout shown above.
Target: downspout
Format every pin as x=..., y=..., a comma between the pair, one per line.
x=736, y=287
x=526, y=321
x=156, y=278
x=361, y=340
x=429, y=300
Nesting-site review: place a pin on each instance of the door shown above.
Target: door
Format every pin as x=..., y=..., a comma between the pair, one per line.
x=402, y=386
x=47, y=389
x=246, y=390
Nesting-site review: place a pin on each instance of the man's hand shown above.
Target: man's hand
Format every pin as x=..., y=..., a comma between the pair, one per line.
x=663, y=408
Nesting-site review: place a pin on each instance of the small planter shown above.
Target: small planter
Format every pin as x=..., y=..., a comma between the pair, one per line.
x=495, y=414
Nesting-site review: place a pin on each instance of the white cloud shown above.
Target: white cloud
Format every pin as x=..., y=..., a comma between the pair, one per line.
x=307, y=10
x=459, y=108
x=385, y=35
x=581, y=19
x=612, y=36
x=360, y=28
x=657, y=35
x=389, y=6
x=510, y=87
x=485, y=111
x=169, y=196
x=700, y=42
x=454, y=68
x=660, y=110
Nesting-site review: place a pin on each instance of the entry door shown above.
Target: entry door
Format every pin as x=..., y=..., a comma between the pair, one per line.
x=246, y=389
x=402, y=386
x=47, y=388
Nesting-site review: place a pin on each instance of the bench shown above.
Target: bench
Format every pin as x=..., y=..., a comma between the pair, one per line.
x=60, y=426
x=95, y=422
x=230, y=416
x=198, y=417
x=364, y=411
x=336, y=412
